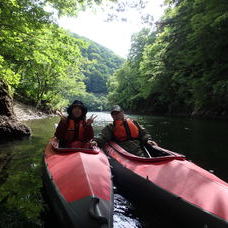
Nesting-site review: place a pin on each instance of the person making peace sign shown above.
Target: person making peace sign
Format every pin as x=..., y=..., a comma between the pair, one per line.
x=74, y=131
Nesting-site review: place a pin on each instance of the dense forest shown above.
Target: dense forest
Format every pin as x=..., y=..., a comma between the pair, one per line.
x=178, y=68
x=46, y=66
x=101, y=64
x=182, y=66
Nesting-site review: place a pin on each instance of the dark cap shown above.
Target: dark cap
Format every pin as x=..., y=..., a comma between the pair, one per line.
x=79, y=104
x=116, y=108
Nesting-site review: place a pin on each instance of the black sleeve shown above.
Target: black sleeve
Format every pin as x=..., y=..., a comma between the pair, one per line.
x=143, y=133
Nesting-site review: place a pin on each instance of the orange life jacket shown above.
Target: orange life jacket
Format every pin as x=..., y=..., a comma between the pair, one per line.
x=124, y=130
x=71, y=131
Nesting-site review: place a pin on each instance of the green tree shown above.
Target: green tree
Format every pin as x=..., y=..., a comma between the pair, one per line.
x=53, y=68
x=38, y=60
x=101, y=64
x=184, y=68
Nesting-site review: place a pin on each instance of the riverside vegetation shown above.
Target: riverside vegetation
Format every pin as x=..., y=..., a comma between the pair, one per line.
x=180, y=67
x=177, y=66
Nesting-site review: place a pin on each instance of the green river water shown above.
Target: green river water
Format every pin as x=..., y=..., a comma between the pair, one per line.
x=204, y=142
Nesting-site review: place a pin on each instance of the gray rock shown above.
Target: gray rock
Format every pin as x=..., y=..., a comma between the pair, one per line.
x=6, y=101
x=10, y=128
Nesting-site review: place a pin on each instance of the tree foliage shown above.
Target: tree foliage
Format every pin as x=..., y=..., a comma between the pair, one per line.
x=44, y=64
x=182, y=67
x=52, y=71
x=101, y=64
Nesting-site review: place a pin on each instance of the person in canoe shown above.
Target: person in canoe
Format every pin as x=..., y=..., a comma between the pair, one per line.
x=74, y=131
x=126, y=132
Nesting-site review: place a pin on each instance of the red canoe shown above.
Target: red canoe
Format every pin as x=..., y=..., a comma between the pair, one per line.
x=194, y=196
x=79, y=186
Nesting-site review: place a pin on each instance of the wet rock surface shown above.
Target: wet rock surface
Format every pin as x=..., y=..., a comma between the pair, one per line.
x=10, y=127
x=6, y=101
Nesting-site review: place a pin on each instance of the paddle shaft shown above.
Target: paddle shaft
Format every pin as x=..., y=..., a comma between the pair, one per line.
x=148, y=153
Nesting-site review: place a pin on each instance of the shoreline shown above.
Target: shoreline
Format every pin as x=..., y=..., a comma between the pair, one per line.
x=25, y=112
x=22, y=113
x=180, y=115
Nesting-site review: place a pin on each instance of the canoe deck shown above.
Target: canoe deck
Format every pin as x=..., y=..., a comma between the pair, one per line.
x=79, y=182
x=175, y=175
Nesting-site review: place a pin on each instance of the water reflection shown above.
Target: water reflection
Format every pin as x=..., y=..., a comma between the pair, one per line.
x=20, y=200
x=21, y=204
x=202, y=141
x=123, y=213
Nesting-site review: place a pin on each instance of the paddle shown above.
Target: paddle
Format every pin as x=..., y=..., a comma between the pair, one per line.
x=82, y=150
x=148, y=153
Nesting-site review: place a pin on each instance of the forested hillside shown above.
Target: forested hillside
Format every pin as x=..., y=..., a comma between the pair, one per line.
x=44, y=65
x=100, y=65
x=181, y=68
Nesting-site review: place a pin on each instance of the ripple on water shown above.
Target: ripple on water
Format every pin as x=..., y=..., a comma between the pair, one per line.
x=123, y=217
x=205, y=142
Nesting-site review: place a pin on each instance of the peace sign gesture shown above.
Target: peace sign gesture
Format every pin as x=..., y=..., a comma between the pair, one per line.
x=91, y=119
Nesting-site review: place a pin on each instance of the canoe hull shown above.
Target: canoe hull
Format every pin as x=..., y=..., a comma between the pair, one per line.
x=73, y=204
x=148, y=194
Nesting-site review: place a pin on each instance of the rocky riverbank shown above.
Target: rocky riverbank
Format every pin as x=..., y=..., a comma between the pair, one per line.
x=10, y=126
x=25, y=112
x=11, y=115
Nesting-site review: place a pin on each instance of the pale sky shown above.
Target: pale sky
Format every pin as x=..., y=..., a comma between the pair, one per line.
x=113, y=35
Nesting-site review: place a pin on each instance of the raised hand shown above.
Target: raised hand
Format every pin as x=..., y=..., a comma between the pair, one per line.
x=152, y=143
x=54, y=142
x=59, y=112
x=91, y=119
x=93, y=143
